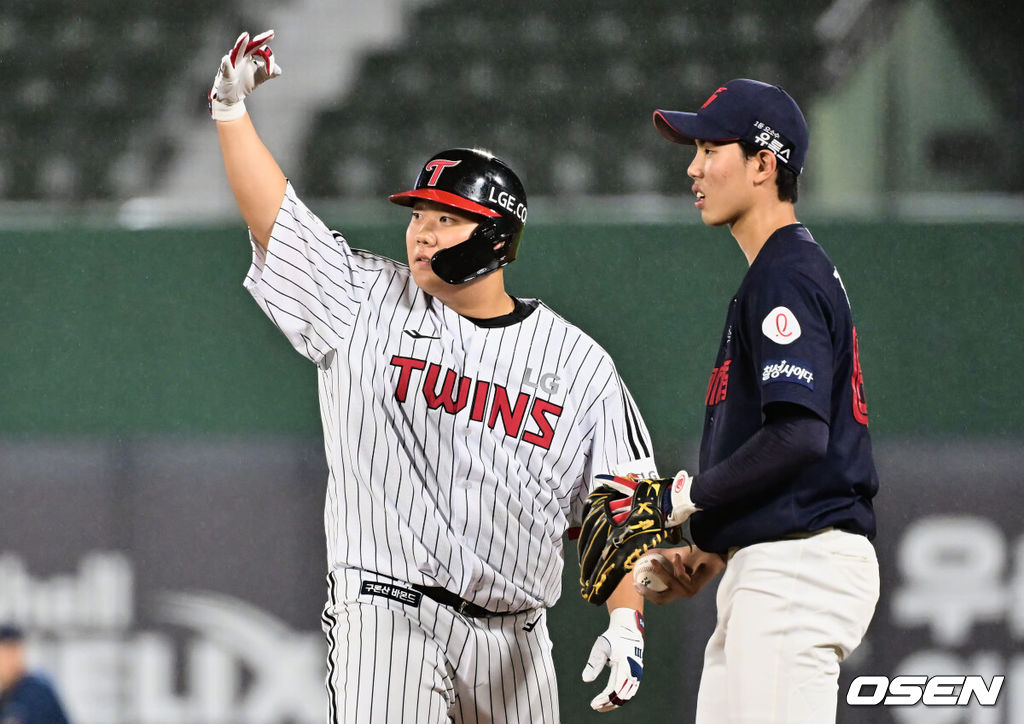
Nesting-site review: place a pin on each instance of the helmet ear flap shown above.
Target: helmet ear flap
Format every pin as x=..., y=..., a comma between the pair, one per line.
x=499, y=232
x=493, y=244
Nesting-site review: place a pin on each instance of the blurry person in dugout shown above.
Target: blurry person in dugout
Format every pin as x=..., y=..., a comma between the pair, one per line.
x=26, y=697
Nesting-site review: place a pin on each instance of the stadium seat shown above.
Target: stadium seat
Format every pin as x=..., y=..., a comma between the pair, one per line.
x=563, y=93
x=71, y=101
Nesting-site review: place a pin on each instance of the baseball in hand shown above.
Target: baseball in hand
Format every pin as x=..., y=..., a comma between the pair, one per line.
x=644, y=573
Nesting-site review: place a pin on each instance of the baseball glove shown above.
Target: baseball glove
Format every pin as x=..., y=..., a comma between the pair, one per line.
x=614, y=536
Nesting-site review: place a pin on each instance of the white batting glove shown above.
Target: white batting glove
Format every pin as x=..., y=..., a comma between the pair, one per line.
x=677, y=501
x=247, y=64
x=621, y=648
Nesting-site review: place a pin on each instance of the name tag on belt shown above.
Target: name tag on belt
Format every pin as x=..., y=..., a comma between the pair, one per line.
x=389, y=590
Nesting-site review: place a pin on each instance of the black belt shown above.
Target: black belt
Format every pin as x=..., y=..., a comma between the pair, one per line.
x=802, y=535
x=461, y=605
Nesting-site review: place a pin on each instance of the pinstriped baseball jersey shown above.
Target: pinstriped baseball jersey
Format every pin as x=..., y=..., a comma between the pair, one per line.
x=458, y=454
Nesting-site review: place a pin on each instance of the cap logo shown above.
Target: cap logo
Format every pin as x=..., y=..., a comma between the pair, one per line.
x=437, y=166
x=714, y=95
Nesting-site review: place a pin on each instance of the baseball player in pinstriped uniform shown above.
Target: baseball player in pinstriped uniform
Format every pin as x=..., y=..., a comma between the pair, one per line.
x=463, y=428
x=783, y=500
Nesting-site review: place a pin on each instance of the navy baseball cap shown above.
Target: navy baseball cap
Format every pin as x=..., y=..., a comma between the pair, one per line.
x=743, y=110
x=10, y=632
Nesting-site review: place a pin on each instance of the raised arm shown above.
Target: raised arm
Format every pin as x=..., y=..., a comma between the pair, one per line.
x=254, y=176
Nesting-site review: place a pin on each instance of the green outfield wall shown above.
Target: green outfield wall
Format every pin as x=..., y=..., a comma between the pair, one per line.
x=119, y=332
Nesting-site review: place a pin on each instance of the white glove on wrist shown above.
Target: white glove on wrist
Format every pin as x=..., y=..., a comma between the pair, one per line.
x=248, y=64
x=680, y=500
x=621, y=648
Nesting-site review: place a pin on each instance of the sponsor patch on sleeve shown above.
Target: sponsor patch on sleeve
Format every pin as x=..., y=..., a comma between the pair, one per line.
x=787, y=370
x=643, y=467
x=781, y=326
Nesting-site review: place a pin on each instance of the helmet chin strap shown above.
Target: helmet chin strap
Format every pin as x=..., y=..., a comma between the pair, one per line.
x=476, y=256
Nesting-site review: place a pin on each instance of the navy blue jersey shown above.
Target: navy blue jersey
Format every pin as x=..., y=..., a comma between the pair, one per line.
x=31, y=701
x=789, y=338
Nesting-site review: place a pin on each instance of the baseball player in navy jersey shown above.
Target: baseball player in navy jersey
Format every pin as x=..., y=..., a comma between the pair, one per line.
x=462, y=426
x=783, y=498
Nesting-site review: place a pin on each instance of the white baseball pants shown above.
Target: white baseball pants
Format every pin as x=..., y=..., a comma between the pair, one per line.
x=788, y=612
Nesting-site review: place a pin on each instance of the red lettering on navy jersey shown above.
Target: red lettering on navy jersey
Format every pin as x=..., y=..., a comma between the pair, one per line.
x=718, y=385
x=860, y=404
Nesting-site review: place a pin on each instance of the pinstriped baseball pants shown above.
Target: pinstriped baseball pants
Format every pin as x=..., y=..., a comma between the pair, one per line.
x=392, y=661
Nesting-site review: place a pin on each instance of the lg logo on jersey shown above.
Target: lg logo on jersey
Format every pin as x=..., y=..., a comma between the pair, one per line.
x=548, y=381
x=488, y=402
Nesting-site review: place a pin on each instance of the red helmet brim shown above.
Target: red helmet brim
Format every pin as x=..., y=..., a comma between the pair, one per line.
x=408, y=198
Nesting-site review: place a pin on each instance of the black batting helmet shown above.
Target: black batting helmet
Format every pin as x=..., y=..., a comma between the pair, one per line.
x=476, y=182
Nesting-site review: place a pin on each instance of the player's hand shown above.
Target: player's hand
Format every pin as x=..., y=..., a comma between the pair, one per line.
x=692, y=569
x=621, y=648
x=248, y=64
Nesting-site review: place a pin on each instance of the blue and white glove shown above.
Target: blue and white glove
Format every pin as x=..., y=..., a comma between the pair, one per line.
x=248, y=64
x=621, y=648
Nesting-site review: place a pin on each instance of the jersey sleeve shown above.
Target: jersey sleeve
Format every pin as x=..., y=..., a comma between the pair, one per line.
x=620, y=444
x=789, y=330
x=307, y=281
